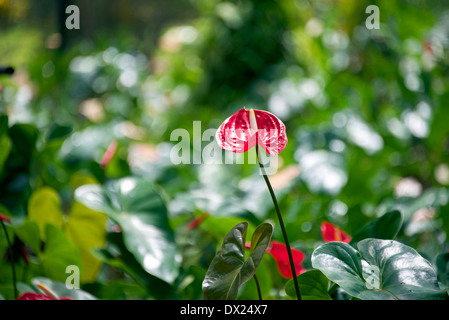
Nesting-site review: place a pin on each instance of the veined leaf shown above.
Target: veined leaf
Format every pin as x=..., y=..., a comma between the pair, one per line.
x=142, y=216
x=118, y=256
x=379, y=270
x=229, y=269
x=313, y=285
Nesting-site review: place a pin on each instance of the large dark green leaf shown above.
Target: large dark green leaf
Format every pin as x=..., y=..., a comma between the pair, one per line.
x=119, y=257
x=443, y=268
x=313, y=285
x=24, y=137
x=5, y=142
x=142, y=216
x=342, y=264
x=15, y=176
x=380, y=269
x=385, y=227
x=229, y=269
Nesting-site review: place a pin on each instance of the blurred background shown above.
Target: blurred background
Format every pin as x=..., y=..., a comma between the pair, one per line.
x=366, y=113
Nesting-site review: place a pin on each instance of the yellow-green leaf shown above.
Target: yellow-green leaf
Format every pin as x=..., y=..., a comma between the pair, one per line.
x=44, y=207
x=87, y=229
x=59, y=253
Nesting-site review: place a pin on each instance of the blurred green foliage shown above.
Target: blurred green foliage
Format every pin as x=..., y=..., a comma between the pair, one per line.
x=365, y=111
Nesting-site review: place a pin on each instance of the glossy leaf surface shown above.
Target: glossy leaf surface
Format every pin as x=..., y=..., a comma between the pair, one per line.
x=229, y=269
x=313, y=285
x=379, y=270
x=142, y=216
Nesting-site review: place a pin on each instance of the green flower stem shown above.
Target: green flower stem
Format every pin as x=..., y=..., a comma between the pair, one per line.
x=281, y=222
x=12, y=261
x=258, y=287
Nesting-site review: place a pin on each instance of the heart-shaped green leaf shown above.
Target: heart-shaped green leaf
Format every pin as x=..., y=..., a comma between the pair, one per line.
x=229, y=269
x=385, y=227
x=119, y=257
x=313, y=285
x=142, y=216
x=379, y=270
x=44, y=207
x=59, y=253
x=85, y=227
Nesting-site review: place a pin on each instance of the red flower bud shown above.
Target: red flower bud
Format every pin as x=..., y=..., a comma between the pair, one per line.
x=109, y=154
x=331, y=233
x=196, y=222
x=279, y=252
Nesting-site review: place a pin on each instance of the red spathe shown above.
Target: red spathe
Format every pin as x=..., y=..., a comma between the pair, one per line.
x=235, y=135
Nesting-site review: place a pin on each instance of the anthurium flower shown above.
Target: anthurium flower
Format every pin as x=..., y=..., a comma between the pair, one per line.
x=279, y=252
x=38, y=296
x=48, y=294
x=331, y=233
x=242, y=130
x=33, y=296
